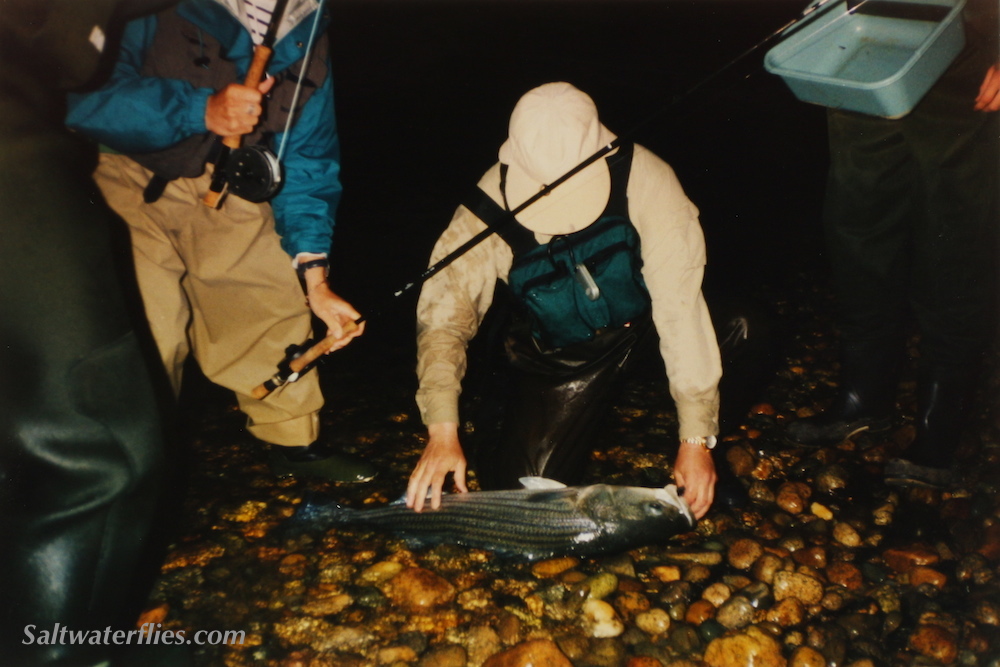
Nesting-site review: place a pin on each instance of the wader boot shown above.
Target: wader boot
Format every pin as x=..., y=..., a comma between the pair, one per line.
x=865, y=401
x=320, y=461
x=942, y=404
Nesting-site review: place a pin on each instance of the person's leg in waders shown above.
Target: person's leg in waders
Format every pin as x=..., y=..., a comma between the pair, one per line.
x=557, y=399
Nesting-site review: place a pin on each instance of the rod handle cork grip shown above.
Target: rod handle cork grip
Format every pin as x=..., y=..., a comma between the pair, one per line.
x=303, y=361
x=261, y=56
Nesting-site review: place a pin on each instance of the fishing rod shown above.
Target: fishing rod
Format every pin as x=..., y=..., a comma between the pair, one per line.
x=300, y=359
x=255, y=74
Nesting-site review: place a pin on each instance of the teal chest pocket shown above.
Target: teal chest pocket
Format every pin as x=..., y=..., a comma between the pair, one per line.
x=580, y=284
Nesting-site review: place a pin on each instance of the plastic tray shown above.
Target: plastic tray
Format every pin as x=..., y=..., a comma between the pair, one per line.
x=878, y=58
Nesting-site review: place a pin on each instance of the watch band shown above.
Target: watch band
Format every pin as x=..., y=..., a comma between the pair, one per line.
x=707, y=443
x=312, y=263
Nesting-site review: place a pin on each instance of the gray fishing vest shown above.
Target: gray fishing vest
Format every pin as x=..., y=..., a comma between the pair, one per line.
x=183, y=50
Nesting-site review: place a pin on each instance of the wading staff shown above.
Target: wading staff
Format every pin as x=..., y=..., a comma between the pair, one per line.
x=300, y=359
x=261, y=57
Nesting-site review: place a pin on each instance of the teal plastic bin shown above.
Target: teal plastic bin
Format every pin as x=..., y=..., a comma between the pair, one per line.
x=879, y=57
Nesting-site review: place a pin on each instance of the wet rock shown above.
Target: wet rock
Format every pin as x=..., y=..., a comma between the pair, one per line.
x=601, y=585
x=482, y=642
x=792, y=497
x=751, y=647
x=743, y=553
x=814, y=557
x=846, y=534
x=573, y=646
x=935, y=642
x=697, y=574
x=760, y=492
x=821, y=511
x=683, y=639
x=326, y=603
x=534, y=653
x=451, y=655
x=905, y=559
x=717, y=593
x=396, y=654
x=630, y=605
x=509, y=628
x=600, y=619
x=921, y=575
x=806, y=656
x=605, y=652
x=699, y=611
x=759, y=594
x=643, y=661
x=380, y=572
x=887, y=599
x=831, y=478
x=706, y=558
x=736, y=613
x=804, y=588
x=654, y=622
x=741, y=460
x=322, y=636
x=787, y=613
x=987, y=612
x=767, y=566
x=667, y=573
x=974, y=568
x=845, y=574
x=547, y=569
x=621, y=565
x=417, y=589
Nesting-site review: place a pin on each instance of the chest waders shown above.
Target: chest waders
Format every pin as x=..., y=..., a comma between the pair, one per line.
x=567, y=349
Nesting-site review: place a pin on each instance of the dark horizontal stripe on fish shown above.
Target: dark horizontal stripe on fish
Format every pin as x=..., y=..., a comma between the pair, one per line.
x=526, y=529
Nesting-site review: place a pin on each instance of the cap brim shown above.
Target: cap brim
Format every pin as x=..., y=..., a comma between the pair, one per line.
x=569, y=207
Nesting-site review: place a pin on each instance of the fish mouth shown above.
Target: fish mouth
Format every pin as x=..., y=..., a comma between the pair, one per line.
x=669, y=495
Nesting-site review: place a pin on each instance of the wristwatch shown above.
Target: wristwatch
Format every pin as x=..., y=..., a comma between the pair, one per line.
x=708, y=443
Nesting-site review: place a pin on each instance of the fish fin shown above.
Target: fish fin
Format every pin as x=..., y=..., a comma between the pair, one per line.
x=540, y=483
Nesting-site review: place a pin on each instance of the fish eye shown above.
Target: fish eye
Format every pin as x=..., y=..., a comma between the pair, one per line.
x=654, y=508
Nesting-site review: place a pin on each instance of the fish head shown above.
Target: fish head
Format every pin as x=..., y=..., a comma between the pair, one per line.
x=632, y=510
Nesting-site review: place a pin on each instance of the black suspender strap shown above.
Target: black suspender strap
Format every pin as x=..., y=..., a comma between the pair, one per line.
x=500, y=221
x=518, y=237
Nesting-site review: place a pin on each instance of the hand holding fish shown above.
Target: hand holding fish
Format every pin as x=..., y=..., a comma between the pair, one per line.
x=442, y=455
x=695, y=473
x=989, y=92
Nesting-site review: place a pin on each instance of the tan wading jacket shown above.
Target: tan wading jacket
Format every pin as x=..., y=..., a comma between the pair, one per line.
x=453, y=303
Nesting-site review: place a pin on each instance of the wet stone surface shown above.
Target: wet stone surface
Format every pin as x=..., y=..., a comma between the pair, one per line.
x=826, y=566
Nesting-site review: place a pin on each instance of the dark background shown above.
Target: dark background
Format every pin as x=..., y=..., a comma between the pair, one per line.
x=424, y=90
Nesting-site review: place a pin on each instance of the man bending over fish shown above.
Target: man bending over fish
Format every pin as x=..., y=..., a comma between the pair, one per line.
x=611, y=258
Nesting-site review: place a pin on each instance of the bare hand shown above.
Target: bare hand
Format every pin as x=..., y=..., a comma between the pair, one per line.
x=338, y=315
x=442, y=455
x=235, y=110
x=694, y=471
x=989, y=92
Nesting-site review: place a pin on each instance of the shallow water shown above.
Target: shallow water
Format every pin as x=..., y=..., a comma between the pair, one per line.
x=424, y=90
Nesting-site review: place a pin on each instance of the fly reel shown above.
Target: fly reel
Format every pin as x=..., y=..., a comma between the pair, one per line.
x=253, y=173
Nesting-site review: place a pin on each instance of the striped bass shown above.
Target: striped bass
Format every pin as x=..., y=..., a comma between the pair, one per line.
x=544, y=519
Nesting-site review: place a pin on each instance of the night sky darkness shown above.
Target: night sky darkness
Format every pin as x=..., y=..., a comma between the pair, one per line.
x=424, y=90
